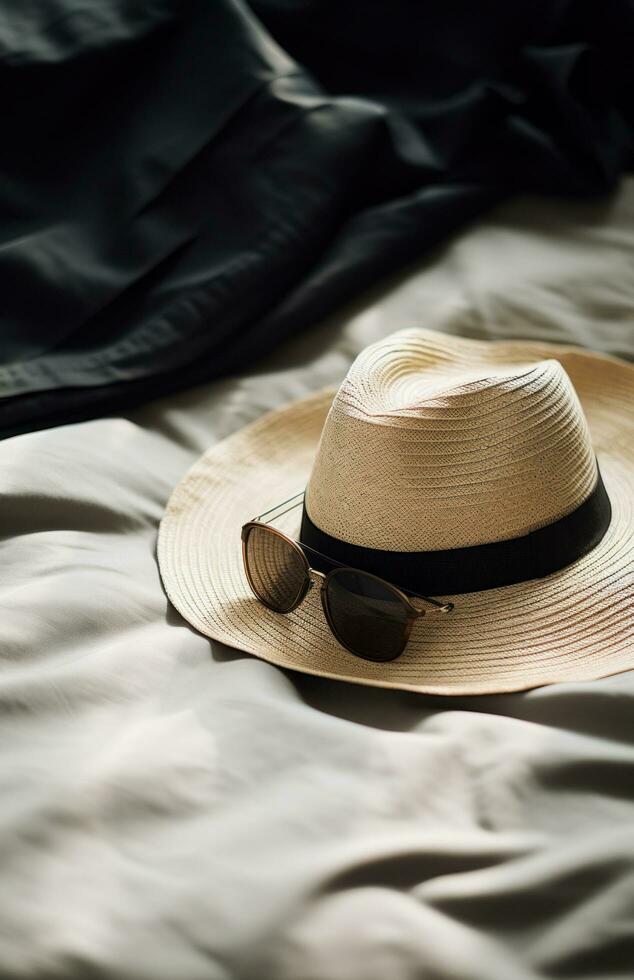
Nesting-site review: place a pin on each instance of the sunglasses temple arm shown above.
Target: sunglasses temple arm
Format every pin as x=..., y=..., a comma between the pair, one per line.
x=297, y=497
x=433, y=602
x=439, y=607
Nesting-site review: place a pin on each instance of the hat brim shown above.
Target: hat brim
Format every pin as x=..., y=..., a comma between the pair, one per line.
x=574, y=625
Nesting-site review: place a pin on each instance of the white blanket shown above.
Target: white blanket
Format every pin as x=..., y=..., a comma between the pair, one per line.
x=174, y=809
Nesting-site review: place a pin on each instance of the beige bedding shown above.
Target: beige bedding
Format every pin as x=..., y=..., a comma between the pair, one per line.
x=174, y=809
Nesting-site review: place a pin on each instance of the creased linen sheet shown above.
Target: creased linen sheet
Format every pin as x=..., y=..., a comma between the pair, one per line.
x=175, y=810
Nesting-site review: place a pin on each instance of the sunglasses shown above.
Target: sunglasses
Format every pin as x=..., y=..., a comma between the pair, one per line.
x=368, y=616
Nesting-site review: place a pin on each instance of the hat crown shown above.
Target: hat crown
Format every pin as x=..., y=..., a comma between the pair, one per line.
x=421, y=452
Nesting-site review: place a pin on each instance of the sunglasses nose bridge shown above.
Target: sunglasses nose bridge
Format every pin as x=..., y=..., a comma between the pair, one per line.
x=316, y=578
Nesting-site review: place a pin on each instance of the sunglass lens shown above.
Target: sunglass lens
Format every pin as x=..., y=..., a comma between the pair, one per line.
x=366, y=615
x=275, y=569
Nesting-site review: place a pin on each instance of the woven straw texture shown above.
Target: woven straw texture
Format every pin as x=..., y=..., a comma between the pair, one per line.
x=431, y=442
x=464, y=455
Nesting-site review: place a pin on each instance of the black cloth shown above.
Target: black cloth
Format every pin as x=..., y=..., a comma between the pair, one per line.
x=183, y=183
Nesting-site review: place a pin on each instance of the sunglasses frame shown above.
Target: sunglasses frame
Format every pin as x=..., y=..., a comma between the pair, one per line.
x=311, y=574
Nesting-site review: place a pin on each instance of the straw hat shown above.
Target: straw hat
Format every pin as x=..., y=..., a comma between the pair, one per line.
x=470, y=464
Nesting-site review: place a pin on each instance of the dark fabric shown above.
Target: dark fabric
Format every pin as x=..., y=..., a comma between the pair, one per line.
x=484, y=566
x=179, y=192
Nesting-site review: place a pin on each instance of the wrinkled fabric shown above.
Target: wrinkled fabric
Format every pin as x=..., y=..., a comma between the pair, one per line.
x=175, y=810
x=184, y=184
